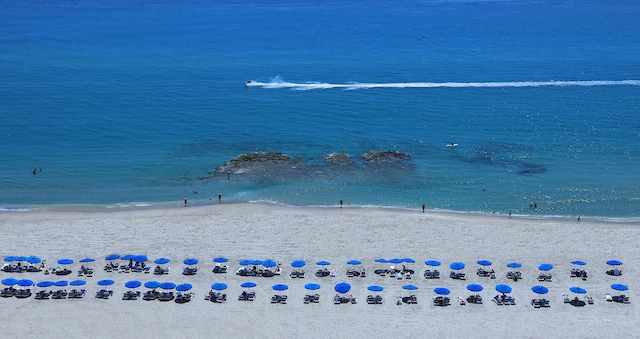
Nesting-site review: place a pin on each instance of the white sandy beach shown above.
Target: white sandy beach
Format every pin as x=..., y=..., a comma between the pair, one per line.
x=263, y=231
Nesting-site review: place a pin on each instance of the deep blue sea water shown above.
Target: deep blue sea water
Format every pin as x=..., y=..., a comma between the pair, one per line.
x=140, y=101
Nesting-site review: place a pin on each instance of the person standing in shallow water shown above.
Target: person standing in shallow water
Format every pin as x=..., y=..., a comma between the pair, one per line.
x=341, y=202
x=219, y=198
x=577, y=222
x=185, y=202
x=423, y=206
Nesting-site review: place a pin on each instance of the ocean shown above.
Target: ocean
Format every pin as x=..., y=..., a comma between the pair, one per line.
x=134, y=103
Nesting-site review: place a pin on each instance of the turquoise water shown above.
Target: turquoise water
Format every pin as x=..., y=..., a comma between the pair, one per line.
x=125, y=102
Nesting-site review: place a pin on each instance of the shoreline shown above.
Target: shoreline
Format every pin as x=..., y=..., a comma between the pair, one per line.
x=142, y=206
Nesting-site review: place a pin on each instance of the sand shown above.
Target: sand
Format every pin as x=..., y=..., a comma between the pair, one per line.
x=266, y=231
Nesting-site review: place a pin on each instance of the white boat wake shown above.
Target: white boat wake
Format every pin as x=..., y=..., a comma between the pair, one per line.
x=279, y=84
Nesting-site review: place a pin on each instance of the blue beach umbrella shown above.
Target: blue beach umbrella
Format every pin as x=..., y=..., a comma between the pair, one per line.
x=46, y=283
x=393, y=261
x=85, y=260
x=152, y=284
x=375, y=288
x=24, y=282
x=140, y=258
x=614, y=262
x=539, y=289
x=356, y=262
x=578, y=290
x=298, y=263
x=184, y=287
x=617, y=287
x=61, y=283
x=105, y=282
x=78, y=282
x=545, y=267
x=342, y=287
x=475, y=287
x=248, y=284
x=162, y=261
x=10, y=258
x=167, y=285
x=132, y=284
x=503, y=288
x=219, y=286
x=128, y=257
x=220, y=259
x=579, y=262
x=33, y=260
x=514, y=265
x=484, y=262
x=410, y=287
x=456, y=265
x=65, y=261
x=408, y=260
x=433, y=263
x=381, y=260
x=190, y=261
x=312, y=286
x=323, y=263
x=441, y=291
x=9, y=281
x=246, y=262
x=280, y=287
x=112, y=257
x=21, y=258
x=269, y=263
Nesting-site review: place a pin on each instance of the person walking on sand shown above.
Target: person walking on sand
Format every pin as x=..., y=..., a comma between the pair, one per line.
x=577, y=222
x=423, y=208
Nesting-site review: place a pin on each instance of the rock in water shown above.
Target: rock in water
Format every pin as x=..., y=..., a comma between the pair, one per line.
x=376, y=157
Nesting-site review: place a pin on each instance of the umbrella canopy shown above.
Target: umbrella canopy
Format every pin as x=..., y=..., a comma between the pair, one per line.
x=9, y=281
x=474, y=287
x=394, y=261
x=578, y=290
x=190, y=261
x=545, y=267
x=112, y=257
x=323, y=263
x=298, y=263
x=33, y=260
x=152, y=284
x=78, y=282
x=87, y=260
x=441, y=290
x=456, y=265
x=280, y=287
x=375, y=288
x=162, y=261
x=167, y=285
x=46, y=283
x=105, y=282
x=484, y=262
x=540, y=289
x=220, y=259
x=128, y=257
x=617, y=287
x=514, y=265
x=269, y=263
x=432, y=263
x=312, y=286
x=61, y=283
x=140, y=258
x=408, y=260
x=132, y=284
x=614, y=262
x=184, y=287
x=503, y=288
x=579, y=262
x=381, y=260
x=24, y=282
x=65, y=261
x=10, y=258
x=250, y=262
x=410, y=287
x=219, y=286
x=342, y=287
x=356, y=262
x=248, y=284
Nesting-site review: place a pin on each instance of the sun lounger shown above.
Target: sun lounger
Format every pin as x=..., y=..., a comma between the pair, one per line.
x=427, y=274
x=22, y=294
x=608, y=297
x=461, y=300
x=166, y=296
x=589, y=299
x=7, y=292
x=363, y=273
x=535, y=303
x=545, y=302
x=435, y=274
x=565, y=297
x=498, y=300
